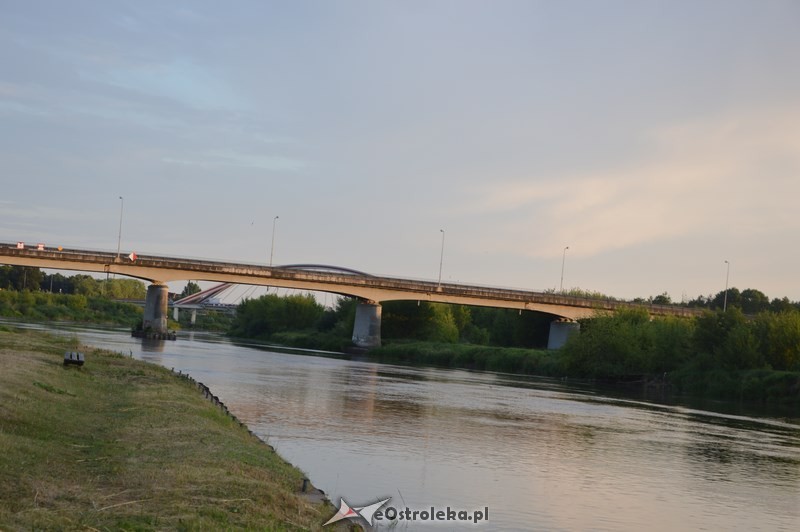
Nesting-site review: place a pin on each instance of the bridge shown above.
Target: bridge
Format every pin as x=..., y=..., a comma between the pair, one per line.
x=200, y=300
x=371, y=290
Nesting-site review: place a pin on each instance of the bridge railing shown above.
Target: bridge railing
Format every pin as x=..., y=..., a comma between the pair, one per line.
x=340, y=278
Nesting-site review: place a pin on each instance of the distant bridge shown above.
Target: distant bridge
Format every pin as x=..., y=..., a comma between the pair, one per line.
x=370, y=289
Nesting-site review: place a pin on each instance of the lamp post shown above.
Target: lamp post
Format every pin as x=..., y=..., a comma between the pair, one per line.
x=272, y=247
x=119, y=235
x=441, y=258
x=563, y=259
x=727, y=276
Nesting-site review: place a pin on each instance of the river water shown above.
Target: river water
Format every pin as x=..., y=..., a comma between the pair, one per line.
x=539, y=454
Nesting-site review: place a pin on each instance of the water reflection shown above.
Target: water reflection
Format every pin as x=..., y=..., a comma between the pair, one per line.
x=541, y=454
x=152, y=345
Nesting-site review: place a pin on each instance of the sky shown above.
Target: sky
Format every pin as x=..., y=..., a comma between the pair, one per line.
x=656, y=140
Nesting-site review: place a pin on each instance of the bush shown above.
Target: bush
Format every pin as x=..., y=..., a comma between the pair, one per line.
x=779, y=337
x=627, y=344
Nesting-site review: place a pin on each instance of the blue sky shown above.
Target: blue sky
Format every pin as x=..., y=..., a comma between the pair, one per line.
x=655, y=139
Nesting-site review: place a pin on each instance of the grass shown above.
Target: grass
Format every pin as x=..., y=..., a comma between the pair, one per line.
x=122, y=444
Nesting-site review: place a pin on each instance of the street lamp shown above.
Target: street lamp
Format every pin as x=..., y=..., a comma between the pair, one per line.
x=563, y=259
x=119, y=236
x=441, y=258
x=727, y=276
x=272, y=247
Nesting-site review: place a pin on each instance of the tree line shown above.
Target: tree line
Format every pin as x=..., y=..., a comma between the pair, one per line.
x=631, y=343
x=749, y=301
x=272, y=317
x=750, y=350
x=21, y=278
x=269, y=315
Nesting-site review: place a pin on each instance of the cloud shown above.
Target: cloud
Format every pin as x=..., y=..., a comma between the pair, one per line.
x=727, y=175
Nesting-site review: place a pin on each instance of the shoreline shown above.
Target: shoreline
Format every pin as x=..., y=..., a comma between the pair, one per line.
x=123, y=443
x=307, y=489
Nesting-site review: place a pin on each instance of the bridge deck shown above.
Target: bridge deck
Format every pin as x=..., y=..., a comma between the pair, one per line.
x=374, y=288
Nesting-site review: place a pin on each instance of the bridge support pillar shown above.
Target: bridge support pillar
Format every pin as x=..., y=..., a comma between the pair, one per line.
x=176, y=315
x=560, y=330
x=155, y=308
x=367, y=327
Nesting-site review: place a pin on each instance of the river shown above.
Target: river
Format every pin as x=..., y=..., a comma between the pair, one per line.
x=538, y=454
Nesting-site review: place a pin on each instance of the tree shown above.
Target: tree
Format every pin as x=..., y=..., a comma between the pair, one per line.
x=57, y=283
x=662, y=299
x=730, y=338
x=628, y=344
x=782, y=305
x=405, y=319
x=734, y=299
x=270, y=314
x=700, y=301
x=338, y=321
x=753, y=301
x=779, y=337
x=85, y=285
x=21, y=278
x=190, y=288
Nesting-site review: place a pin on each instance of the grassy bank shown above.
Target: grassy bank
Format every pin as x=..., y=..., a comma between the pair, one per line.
x=752, y=386
x=44, y=306
x=476, y=357
x=689, y=378
x=122, y=444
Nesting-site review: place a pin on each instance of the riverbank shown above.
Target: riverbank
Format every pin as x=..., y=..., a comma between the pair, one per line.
x=534, y=362
x=46, y=307
x=120, y=443
x=754, y=385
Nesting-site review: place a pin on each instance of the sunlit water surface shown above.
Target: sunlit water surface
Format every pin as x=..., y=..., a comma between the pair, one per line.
x=541, y=455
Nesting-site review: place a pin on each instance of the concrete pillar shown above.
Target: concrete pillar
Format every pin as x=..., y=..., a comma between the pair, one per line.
x=560, y=331
x=156, y=309
x=194, y=316
x=176, y=313
x=367, y=328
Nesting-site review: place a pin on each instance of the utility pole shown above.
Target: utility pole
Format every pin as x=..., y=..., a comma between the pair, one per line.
x=272, y=247
x=441, y=258
x=727, y=276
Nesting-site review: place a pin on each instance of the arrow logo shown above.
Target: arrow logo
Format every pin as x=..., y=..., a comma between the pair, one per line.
x=364, y=512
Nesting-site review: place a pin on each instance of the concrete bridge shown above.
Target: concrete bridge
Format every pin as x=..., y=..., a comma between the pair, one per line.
x=370, y=289
x=200, y=300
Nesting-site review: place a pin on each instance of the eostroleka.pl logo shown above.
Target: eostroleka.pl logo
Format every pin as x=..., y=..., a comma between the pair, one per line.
x=373, y=512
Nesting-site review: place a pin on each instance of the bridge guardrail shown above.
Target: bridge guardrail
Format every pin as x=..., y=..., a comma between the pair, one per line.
x=342, y=279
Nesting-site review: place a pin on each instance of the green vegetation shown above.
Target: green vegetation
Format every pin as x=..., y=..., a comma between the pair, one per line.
x=442, y=323
x=20, y=278
x=631, y=343
x=300, y=321
x=295, y=321
x=720, y=354
x=751, y=351
x=120, y=444
x=190, y=288
x=44, y=306
x=29, y=294
x=261, y=318
x=206, y=320
x=628, y=344
x=476, y=357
